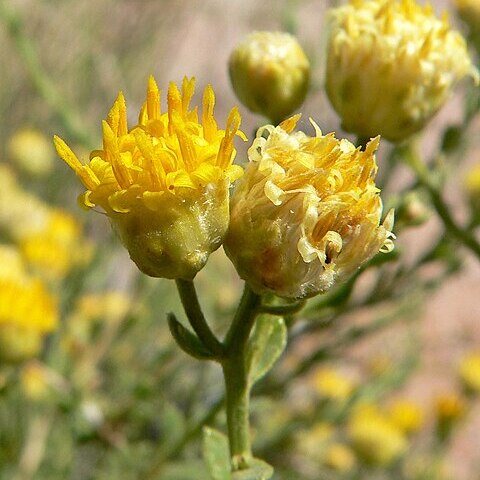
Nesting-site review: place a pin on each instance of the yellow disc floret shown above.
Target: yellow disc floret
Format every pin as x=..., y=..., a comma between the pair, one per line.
x=306, y=213
x=164, y=182
x=391, y=65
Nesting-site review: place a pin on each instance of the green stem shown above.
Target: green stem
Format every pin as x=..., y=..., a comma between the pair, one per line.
x=237, y=384
x=424, y=178
x=191, y=305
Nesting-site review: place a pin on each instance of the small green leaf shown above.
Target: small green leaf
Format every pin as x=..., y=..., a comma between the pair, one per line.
x=268, y=341
x=187, y=340
x=216, y=454
x=259, y=470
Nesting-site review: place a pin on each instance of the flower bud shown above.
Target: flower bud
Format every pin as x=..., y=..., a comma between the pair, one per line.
x=306, y=214
x=163, y=183
x=391, y=65
x=411, y=211
x=270, y=74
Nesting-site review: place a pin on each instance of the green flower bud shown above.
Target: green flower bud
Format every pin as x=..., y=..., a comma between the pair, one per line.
x=270, y=74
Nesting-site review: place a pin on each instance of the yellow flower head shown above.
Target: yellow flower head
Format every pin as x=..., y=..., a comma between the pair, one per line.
x=406, y=415
x=31, y=151
x=27, y=310
x=375, y=438
x=164, y=182
x=450, y=408
x=306, y=213
x=469, y=372
x=270, y=74
x=56, y=246
x=339, y=457
x=333, y=385
x=391, y=65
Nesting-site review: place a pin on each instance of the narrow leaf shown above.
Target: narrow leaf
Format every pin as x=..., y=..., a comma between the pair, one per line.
x=268, y=341
x=187, y=340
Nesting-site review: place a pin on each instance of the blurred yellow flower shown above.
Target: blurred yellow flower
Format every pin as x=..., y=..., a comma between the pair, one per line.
x=27, y=311
x=57, y=246
x=406, y=415
x=469, y=372
x=312, y=443
x=450, y=408
x=270, y=74
x=375, y=438
x=34, y=380
x=391, y=65
x=25, y=211
x=50, y=239
x=329, y=383
x=31, y=151
x=163, y=183
x=472, y=186
x=339, y=457
x=306, y=214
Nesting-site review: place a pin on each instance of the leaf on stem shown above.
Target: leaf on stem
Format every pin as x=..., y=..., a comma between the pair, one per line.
x=268, y=341
x=216, y=454
x=187, y=340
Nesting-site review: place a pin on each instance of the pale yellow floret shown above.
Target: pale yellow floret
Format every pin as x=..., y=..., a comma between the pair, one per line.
x=391, y=65
x=306, y=213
